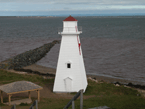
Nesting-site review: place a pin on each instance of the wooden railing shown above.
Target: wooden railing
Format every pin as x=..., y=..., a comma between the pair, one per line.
x=14, y=106
x=72, y=101
x=34, y=103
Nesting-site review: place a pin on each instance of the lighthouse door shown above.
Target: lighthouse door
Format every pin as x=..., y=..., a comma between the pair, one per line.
x=68, y=84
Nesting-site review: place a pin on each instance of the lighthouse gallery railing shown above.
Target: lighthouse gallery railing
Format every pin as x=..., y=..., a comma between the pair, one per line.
x=69, y=29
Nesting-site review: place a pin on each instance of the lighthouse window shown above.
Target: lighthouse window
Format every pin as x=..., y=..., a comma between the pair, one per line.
x=68, y=65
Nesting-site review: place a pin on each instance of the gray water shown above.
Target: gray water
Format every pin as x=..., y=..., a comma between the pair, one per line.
x=111, y=46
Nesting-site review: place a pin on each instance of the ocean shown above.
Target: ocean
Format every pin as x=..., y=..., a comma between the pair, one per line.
x=111, y=46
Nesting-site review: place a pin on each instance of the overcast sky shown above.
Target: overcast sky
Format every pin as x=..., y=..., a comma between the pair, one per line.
x=61, y=7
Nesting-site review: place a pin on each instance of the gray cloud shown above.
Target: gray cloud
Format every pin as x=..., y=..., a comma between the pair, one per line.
x=73, y=5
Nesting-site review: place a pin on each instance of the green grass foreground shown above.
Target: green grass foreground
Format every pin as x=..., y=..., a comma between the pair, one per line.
x=97, y=94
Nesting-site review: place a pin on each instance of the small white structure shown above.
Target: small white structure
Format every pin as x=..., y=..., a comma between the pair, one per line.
x=70, y=72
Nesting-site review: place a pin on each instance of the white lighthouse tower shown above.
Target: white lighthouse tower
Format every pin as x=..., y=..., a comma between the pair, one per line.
x=70, y=72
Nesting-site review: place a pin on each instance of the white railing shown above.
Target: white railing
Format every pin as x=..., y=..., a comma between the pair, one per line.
x=69, y=29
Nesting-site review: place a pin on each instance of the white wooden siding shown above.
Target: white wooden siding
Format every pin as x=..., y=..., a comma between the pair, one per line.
x=69, y=52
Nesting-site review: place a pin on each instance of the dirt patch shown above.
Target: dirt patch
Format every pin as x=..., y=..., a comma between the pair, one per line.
x=41, y=69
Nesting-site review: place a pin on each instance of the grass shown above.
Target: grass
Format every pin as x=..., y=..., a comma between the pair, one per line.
x=8, y=77
x=97, y=94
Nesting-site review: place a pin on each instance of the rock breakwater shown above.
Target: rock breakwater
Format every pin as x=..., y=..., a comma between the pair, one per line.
x=28, y=57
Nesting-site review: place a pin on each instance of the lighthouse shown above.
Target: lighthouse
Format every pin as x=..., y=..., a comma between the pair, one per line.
x=70, y=72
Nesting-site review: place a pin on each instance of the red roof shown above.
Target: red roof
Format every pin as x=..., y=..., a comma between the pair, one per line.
x=70, y=18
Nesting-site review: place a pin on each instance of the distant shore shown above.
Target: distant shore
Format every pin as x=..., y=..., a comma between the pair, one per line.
x=99, y=16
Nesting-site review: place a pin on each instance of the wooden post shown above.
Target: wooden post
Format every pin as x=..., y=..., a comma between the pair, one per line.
x=29, y=95
x=73, y=104
x=73, y=99
x=10, y=99
x=81, y=100
x=36, y=104
x=14, y=106
x=1, y=96
x=38, y=95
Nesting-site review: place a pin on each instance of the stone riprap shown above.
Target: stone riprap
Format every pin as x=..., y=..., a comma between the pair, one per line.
x=28, y=57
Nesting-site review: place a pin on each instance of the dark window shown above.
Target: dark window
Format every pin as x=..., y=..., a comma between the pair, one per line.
x=68, y=65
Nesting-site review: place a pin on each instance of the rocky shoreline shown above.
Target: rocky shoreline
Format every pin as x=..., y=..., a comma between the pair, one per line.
x=27, y=58
x=117, y=81
x=25, y=62
x=36, y=69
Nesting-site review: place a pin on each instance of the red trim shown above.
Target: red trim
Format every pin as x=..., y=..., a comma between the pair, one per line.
x=76, y=28
x=79, y=45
